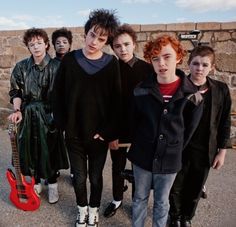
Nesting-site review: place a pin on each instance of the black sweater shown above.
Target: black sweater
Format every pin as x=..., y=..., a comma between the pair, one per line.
x=131, y=75
x=87, y=104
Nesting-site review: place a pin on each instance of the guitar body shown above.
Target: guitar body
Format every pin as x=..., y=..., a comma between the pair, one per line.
x=22, y=192
x=23, y=196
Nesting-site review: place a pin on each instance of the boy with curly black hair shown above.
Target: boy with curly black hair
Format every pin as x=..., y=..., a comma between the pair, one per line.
x=62, y=41
x=87, y=104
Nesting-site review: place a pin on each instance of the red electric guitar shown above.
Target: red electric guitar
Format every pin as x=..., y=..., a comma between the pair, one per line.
x=22, y=192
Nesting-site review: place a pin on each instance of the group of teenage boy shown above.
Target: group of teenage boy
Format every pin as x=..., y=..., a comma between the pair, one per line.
x=86, y=102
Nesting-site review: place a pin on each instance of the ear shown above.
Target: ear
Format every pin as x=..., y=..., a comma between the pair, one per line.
x=213, y=67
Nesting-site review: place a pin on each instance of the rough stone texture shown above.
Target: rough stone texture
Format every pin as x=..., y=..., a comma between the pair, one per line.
x=6, y=61
x=226, y=62
x=233, y=81
x=233, y=97
x=221, y=36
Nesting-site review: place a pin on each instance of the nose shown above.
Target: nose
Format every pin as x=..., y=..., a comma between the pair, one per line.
x=94, y=41
x=122, y=48
x=200, y=67
x=161, y=61
x=36, y=45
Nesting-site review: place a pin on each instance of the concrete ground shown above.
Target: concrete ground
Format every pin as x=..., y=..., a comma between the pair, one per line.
x=218, y=210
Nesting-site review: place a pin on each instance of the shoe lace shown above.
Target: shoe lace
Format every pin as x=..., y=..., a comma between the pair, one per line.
x=93, y=218
x=82, y=217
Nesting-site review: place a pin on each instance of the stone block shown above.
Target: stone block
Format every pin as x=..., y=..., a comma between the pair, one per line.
x=226, y=47
x=233, y=97
x=136, y=27
x=180, y=27
x=4, y=113
x=208, y=26
x=226, y=62
x=228, y=25
x=233, y=81
x=222, y=36
x=153, y=27
x=154, y=35
x=141, y=36
x=6, y=61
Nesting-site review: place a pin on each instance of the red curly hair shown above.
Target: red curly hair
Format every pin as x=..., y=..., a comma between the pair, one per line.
x=153, y=47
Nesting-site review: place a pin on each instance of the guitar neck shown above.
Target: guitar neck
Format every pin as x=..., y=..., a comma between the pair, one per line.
x=15, y=159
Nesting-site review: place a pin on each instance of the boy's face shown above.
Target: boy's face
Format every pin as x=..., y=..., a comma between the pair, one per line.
x=123, y=47
x=200, y=68
x=62, y=45
x=165, y=63
x=37, y=47
x=95, y=41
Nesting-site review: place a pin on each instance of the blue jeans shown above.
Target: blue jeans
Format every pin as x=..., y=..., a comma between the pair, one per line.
x=144, y=182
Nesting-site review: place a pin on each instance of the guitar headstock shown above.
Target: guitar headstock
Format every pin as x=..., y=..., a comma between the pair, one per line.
x=12, y=130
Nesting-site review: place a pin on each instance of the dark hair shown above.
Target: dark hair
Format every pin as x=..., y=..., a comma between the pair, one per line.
x=202, y=51
x=105, y=20
x=62, y=32
x=36, y=32
x=125, y=29
x=153, y=47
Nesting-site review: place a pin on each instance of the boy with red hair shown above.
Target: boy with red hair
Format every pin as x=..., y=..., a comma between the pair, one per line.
x=167, y=110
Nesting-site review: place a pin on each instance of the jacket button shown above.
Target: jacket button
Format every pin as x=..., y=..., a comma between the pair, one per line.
x=165, y=111
x=161, y=137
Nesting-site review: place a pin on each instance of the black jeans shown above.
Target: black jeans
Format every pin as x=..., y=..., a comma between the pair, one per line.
x=87, y=158
x=51, y=180
x=187, y=188
x=118, y=158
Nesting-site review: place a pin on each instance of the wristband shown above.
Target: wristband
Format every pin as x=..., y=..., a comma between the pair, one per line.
x=17, y=110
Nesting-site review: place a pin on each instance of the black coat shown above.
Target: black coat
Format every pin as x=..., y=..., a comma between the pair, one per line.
x=161, y=130
x=220, y=121
x=41, y=146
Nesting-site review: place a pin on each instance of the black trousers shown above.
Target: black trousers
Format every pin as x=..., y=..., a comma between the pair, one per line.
x=118, y=158
x=87, y=158
x=187, y=188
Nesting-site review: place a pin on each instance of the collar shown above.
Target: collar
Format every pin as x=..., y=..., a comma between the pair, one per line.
x=131, y=62
x=151, y=81
x=42, y=64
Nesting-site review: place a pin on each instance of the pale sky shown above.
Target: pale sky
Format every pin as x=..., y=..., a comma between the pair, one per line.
x=23, y=14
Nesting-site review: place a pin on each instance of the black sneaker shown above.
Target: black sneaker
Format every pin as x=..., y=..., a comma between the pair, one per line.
x=111, y=210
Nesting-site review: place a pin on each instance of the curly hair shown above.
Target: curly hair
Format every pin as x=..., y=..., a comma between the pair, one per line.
x=36, y=32
x=62, y=32
x=125, y=29
x=103, y=20
x=202, y=51
x=153, y=47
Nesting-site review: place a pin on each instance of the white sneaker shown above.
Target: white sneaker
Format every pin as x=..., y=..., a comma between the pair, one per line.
x=82, y=216
x=53, y=195
x=38, y=188
x=93, y=216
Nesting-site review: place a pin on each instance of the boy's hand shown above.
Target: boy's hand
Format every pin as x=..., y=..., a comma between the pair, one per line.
x=15, y=117
x=97, y=136
x=114, y=145
x=219, y=159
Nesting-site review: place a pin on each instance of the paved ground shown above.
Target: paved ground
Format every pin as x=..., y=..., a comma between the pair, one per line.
x=218, y=210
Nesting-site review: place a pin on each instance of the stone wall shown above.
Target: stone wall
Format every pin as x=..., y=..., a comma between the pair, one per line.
x=221, y=36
